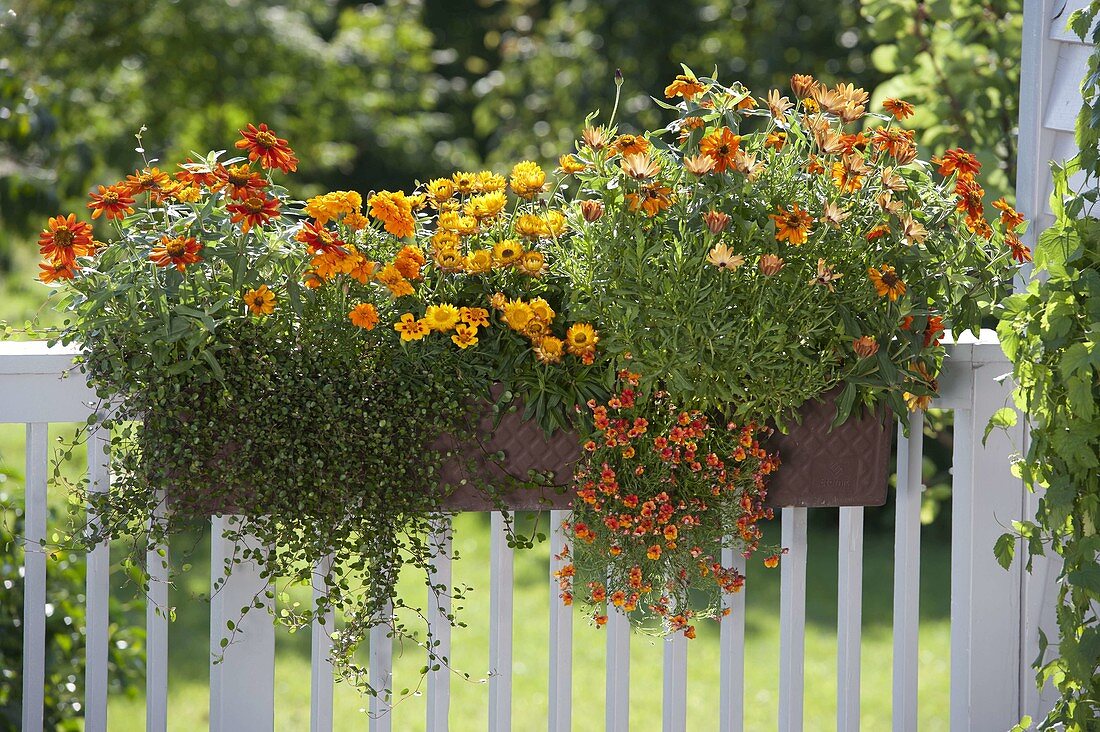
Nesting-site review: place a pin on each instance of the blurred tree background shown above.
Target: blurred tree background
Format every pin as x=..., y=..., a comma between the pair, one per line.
x=382, y=94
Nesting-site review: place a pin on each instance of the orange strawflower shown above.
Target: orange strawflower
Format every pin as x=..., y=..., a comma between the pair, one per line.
x=265, y=146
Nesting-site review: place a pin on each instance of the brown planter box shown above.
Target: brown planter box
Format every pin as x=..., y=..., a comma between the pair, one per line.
x=847, y=466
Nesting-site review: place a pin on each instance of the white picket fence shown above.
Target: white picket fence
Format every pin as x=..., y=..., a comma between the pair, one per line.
x=990, y=674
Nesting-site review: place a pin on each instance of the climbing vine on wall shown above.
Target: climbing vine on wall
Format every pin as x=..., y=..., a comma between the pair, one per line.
x=1051, y=332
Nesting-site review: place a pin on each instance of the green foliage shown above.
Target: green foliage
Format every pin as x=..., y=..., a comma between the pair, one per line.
x=958, y=61
x=65, y=632
x=1052, y=334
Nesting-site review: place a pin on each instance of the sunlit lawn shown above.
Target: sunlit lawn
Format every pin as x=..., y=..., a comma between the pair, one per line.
x=188, y=640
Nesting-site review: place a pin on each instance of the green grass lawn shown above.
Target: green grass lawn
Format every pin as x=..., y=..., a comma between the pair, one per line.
x=188, y=640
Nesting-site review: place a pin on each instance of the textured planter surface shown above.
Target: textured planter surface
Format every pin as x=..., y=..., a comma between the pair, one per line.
x=844, y=467
x=525, y=448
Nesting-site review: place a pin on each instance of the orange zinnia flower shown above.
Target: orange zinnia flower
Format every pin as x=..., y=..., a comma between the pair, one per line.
x=242, y=182
x=886, y=282
x=111, y=200
x=264, y=145
x=686, y=86
x=197, y=174
x=254, y=211
x=65, y=239
x=1010, y=217
x=150, y=180
x=260, y=301
x=53, y=272
x=721, y=146
x=793, y=225
x=900, y=108
x=1020, y=251
x=958, y=161
x=318, y=239
x=932, y=331
x=178, y=252
x=970, y=197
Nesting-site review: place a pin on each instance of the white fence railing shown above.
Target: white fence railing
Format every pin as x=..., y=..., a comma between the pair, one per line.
x=989, y=659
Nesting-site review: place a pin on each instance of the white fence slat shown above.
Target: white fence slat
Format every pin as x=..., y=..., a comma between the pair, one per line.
x=561, y=636
x=381, y=673
x=674, y=702
x=792, y=619
x=731, y=695
x=439, y=628
x=986, y=600
x=156, y=634
x=242, y=682
x=500, y=626
x=849, y=618
x=34, y=576
x=907, y=573
x=617, y=682
x=321, y=678
x=98, y=592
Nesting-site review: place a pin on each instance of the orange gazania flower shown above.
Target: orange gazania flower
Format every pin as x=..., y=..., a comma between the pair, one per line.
x=364, y=315
x=65, y=239
x=721, y=146
x=255, y=210
x=394, y=210
x=54, y=272
x=177, y=251
x=260, y=301
x=240, y=181
x=153, y=181
x=640, y=166
x=686, y=86
x=793, y=225
x=1010, y=217
x=699, y=164
x=886, y=282
x=900, y=108
x=112, y=201
x=265, y=146
x=958, y=161
x=652, y=199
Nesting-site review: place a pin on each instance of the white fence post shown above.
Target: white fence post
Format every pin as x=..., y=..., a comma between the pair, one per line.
x=986, y=656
